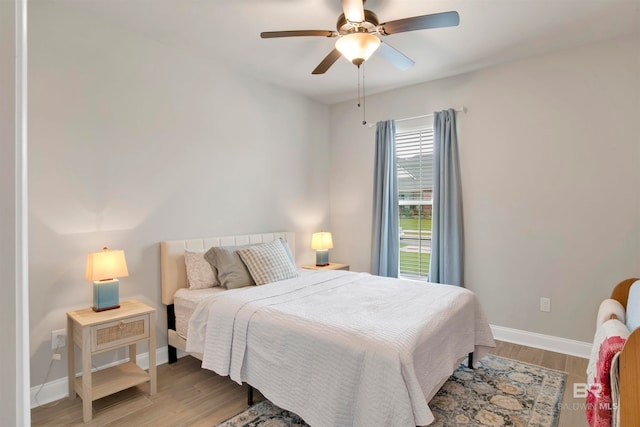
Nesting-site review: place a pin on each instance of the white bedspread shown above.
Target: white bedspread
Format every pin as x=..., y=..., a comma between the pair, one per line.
x=341, y=348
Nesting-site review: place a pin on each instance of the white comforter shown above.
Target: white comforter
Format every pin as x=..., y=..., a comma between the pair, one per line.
x=341, y=348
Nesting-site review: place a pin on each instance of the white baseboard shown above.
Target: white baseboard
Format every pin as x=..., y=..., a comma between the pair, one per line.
x=57, y=389
x=545, y=342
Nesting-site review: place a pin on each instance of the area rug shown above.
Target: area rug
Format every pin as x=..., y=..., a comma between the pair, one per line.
x=500, y=392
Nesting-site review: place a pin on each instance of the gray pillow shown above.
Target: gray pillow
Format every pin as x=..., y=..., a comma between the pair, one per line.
x=232, y=273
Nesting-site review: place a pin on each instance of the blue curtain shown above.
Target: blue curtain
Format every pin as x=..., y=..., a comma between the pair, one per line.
x=386, y=229
x=447, y=243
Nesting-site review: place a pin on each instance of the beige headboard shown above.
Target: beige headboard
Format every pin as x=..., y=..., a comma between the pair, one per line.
x=172, y=268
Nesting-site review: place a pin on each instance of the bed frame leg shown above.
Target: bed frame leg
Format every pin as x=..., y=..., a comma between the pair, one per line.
x=173, y=354
x=171, y=324
x=470, y=364
x=250, y=396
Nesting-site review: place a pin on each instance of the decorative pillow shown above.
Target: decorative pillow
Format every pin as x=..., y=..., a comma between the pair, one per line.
x=268, y=262
x=200, y=274
x=232, y=273
x=633, y=307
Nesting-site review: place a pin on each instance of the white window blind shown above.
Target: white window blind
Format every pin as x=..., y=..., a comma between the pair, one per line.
x=414, y=158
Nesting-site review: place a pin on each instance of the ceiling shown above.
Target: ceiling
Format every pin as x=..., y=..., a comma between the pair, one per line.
x=490, y=32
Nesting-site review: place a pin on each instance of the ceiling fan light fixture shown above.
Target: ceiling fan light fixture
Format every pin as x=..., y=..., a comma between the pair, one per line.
x=358, y=47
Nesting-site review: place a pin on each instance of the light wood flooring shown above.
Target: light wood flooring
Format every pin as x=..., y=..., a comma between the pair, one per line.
x=191, y=396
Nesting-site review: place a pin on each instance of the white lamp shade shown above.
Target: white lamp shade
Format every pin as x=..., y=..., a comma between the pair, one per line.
x=357, y=47
x=106, y=265
x=353, y=10
x=321, y=241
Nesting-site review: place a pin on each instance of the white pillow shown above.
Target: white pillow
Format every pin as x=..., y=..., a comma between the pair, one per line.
x=268, y=262
x=633, y=307
x=200, y=274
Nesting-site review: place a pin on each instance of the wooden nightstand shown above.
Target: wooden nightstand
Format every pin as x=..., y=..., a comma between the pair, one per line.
x=97, y=332
x=331, y=266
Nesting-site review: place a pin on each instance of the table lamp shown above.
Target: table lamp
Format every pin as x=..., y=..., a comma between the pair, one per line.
x=322, y=242
x=103, y=268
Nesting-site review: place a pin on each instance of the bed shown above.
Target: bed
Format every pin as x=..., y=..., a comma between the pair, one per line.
x=336, y=347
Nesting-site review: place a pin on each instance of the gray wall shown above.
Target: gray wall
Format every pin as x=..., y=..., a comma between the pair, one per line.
x=7, y=212
x=549, y=157
x=133, y=142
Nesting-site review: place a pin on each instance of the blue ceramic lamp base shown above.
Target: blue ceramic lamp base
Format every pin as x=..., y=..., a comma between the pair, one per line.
x=322, y=257
x=106, y=295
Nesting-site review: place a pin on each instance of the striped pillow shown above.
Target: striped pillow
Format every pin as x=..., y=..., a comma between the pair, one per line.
x=268, y=262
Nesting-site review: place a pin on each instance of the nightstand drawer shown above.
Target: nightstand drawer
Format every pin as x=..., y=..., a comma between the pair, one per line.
x=119, y=332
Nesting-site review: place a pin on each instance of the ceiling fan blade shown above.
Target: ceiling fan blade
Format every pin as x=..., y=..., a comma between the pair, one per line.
x=297, y=33
x=393, y=55
x=353, y=10
x=327, y=62
x=424, y=22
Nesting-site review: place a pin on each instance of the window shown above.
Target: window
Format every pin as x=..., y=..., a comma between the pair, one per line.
x=414, y=157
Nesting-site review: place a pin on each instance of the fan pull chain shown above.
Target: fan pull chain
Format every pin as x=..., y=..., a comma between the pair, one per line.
x=362, y=101
x=358, y=85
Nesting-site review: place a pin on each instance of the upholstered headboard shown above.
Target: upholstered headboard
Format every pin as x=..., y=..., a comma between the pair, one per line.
x=172, y=267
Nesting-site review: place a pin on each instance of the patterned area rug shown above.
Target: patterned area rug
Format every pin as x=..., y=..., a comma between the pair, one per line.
x=500, y=392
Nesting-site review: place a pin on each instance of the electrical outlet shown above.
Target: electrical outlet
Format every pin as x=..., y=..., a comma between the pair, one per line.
x=545, y=304
x=58, y=338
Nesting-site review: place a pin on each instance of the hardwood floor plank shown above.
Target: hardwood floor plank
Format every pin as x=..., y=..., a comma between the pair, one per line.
x=506, y=349
x=576, y=365
x=553, y=360
x=530, y=355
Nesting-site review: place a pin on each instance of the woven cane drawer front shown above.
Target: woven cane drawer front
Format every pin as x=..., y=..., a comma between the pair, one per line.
x=120, y=332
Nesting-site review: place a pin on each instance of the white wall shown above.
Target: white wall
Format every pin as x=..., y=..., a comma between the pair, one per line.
x=14, y=370
x=133, y=142
x=549, y=158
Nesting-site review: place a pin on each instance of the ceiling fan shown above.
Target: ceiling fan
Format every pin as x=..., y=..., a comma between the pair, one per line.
x=358, y=29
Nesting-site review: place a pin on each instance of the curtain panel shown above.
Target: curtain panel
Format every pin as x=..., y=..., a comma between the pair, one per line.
x=447, y=240
x=385, y=248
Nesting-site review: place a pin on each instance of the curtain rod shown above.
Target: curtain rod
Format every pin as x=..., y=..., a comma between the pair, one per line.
x=462, y=109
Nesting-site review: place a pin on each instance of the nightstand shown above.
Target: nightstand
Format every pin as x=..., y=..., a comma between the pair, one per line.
x=97, y=332
x=331, y=266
